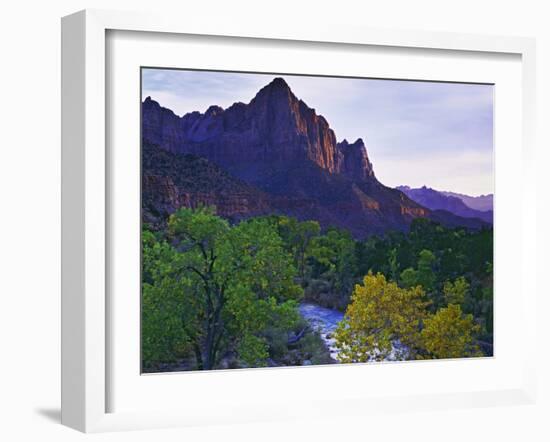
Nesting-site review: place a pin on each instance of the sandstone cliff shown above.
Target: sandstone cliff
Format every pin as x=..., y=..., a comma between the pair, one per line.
x=274, y=155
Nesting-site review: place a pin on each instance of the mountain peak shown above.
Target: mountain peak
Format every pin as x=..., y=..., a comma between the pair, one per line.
x=357, y=143
x=279, y=83
x=150, y=102
x=281, y=147
x=282, y=129
x=278, y=87
x=214, y=110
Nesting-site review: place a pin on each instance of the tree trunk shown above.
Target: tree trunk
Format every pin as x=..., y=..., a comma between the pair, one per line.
x=198, y=357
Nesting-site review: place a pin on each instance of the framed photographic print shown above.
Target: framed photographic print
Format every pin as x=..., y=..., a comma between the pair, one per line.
x=248, y=215
x=267, y=241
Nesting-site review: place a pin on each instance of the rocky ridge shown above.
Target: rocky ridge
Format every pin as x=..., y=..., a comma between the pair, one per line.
x=274, y=155
x=436, y=200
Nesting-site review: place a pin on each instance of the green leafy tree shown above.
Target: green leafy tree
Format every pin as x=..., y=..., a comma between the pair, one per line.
x=409, y=278
x=335, y=251
x=298, y=236
x=394, y=265
x=380, y=313
x=426, y=274
x=450, y=334
x=228, y=284
x=163, y=337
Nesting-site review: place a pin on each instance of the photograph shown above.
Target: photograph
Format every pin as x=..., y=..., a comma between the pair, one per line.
x=299, y=220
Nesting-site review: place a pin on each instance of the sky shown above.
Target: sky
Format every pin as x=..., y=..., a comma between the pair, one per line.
x=417, y=133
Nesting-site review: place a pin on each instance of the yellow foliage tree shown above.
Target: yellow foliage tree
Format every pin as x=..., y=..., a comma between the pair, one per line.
x=380, y=313
x=455, y=292
x=450, y=334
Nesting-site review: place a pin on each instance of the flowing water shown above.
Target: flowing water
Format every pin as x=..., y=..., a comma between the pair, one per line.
x=324, y=320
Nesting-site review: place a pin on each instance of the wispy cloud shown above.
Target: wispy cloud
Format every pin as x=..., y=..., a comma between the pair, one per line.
x=437, y=134
x=189, y=91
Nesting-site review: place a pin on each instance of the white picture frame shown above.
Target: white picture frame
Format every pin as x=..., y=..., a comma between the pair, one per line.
x=86, y=204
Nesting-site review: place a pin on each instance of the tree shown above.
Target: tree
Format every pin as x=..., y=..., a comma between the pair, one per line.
x=450, y=334
x=456, y=292
x=426, y=275
x=229, y=284
x=380, y=313
x=423, y=275
x=409, y=278
x=335, y=251
x=163, y=336
x=297, y=237
x=436, y=258
x=394, y=265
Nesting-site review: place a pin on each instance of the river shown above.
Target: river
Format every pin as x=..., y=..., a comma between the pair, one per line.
x=325, y=320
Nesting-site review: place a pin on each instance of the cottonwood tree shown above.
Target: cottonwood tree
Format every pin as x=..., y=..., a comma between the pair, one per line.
x=450, y=334
x=380, y=313
x=228, y=285
x=457, y=291
x=335, y=253
x=298, y=237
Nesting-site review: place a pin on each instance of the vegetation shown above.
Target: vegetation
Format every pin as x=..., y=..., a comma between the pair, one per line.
x=380, y=314
x=453, y=266
x=385, y=321
x=450, y=334
x=221, y=295
x=229, y=284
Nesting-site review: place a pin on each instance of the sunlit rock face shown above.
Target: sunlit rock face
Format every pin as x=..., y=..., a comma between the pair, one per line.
x=274, y=127
x=276, y=155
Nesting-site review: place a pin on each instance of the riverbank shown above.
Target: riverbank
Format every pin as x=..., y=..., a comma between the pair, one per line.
x=309, y=343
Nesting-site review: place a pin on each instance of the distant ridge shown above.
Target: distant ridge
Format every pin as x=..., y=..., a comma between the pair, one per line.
x=436, y=200
x=481, y=202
